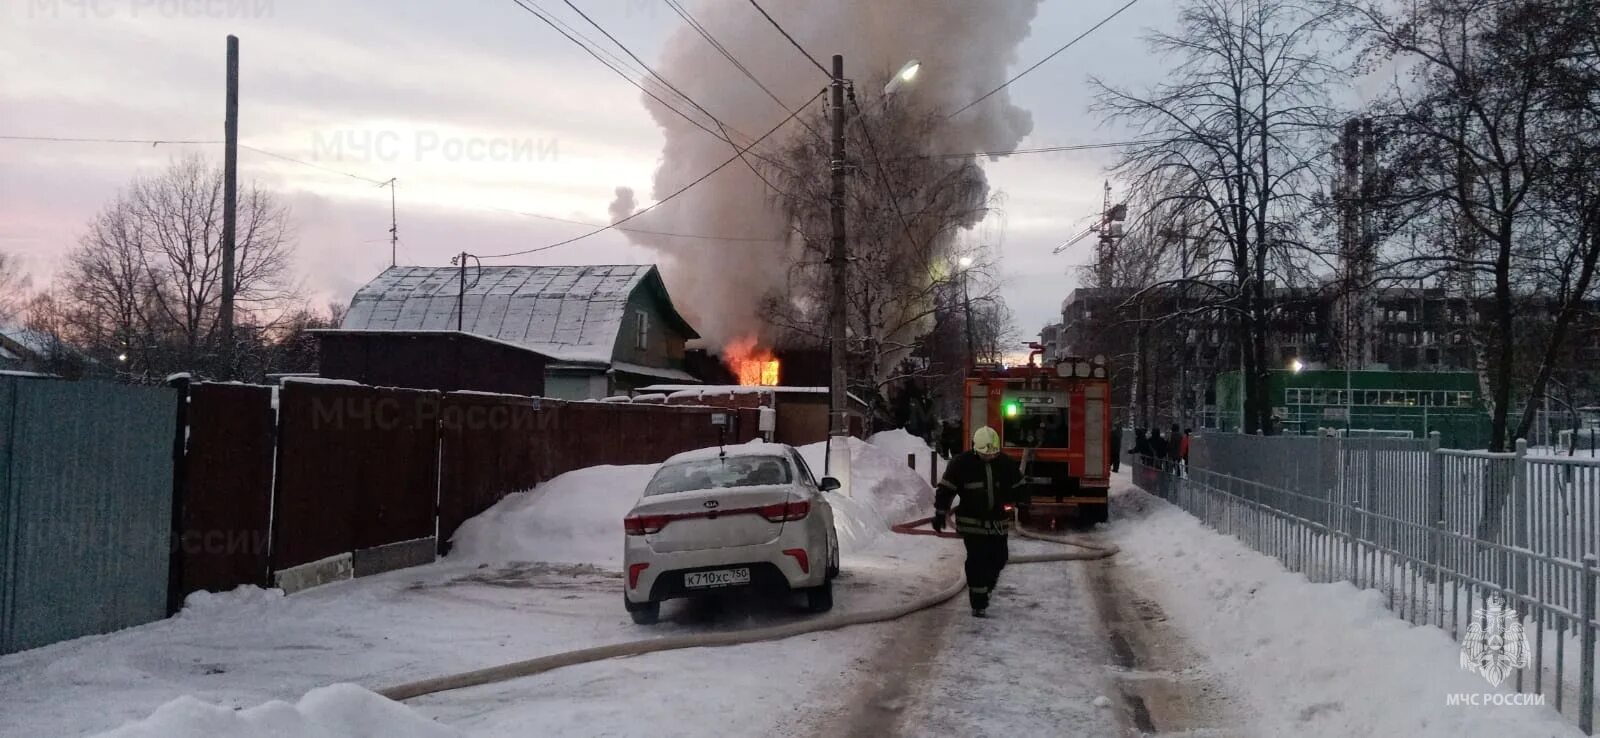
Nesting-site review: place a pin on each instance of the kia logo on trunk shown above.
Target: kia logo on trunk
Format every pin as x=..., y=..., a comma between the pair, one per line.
x=710, y=503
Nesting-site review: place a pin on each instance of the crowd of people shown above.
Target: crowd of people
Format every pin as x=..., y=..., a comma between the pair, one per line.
x=1169, y=452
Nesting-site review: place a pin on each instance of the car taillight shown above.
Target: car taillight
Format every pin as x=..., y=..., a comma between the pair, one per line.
x=639, y=525
x=785, y=511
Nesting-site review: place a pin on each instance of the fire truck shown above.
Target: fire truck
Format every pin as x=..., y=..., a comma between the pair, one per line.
x=1054, y=418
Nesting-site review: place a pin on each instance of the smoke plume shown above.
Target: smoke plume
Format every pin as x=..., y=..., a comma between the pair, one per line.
x=624, y=204
x=964, y=48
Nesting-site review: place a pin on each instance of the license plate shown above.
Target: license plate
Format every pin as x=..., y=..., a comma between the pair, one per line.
x=718, y=578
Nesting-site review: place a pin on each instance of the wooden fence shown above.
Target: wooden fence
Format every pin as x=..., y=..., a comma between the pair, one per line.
x=352, y=480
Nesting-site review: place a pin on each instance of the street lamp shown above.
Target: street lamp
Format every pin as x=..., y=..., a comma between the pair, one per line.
x=1296, y=366
x=902, y=78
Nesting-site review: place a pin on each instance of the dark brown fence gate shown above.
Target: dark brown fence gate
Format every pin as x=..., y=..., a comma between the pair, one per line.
x=357, y=472
x=225, y=498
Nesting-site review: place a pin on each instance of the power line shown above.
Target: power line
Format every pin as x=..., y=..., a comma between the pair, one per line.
x=188, y=142
x=544, y=15
x=152, y=142
x=1038, y=150
x=796, y=44
x=1041, y=62
x=301, y=162
x=643, y=230
x=705, y=33
x=883, y=174
x=658, y=203
x=720, y=125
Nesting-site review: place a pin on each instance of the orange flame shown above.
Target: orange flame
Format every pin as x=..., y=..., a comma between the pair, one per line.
x=753, y=365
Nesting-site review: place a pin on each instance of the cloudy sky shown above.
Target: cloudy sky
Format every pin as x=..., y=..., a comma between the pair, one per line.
x=487, y=117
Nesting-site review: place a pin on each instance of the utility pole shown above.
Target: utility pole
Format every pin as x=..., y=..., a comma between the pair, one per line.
x=461, y=294
x=230, y=203
x=839, y=265
x=966, y=301
x=394, y=224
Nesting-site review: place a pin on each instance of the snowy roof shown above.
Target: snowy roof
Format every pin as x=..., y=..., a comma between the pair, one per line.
x=753, y=448
x=31, y=341
x=652, y=371
x=571, y=313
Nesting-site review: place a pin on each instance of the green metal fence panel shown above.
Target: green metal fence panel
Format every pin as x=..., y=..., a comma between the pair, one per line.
x=86, y=490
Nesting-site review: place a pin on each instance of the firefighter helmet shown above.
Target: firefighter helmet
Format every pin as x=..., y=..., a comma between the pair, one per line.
x=986, y=441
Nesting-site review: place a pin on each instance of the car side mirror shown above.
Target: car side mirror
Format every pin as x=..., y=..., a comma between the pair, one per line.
x=828, y=484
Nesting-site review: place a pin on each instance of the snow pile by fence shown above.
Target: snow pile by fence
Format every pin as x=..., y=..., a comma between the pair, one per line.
x=339, y=711
x=1311, y=659
x=576, y=518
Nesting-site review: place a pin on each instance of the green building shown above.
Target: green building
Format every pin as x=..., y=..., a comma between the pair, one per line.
x=1419, y=402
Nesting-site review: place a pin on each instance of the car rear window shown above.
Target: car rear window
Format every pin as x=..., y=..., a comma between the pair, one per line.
x=720, y=473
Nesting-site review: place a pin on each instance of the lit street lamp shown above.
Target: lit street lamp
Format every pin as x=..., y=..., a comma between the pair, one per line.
x=902, y=78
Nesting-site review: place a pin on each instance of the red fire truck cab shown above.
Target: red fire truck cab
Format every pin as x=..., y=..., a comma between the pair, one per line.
x=1055, y=420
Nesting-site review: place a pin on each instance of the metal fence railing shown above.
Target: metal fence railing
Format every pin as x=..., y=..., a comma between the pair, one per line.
x=1437, y=532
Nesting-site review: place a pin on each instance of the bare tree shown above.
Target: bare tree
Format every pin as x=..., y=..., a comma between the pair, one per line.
x=145, y=281
x=1231, y=141
x=13, y=288
x=1491, y=140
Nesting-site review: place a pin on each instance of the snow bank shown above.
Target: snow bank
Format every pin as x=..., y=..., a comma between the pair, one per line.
x=884, y=490
x=1310, y=659
x=246, y=599
x=339, y=711
x=575, y=518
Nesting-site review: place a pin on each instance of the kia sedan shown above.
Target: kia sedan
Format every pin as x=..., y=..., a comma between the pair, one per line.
x=750, y=516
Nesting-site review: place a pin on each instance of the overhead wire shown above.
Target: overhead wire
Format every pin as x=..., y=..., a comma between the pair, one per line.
x=151, y=141
x=1037, y=64
x=644, y=230
x=883, y=174
x=793, y=42
x=720, y=125
x=544, y=15
x=1037, y=150
x=658, y=203
x=705, y=33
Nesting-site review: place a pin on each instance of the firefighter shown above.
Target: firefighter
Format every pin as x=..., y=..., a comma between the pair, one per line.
x=988, y=483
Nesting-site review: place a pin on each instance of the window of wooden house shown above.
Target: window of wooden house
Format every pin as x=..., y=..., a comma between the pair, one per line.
x=641, y=338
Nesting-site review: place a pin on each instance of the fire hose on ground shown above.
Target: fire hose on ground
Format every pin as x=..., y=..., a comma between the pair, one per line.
x=542, y=664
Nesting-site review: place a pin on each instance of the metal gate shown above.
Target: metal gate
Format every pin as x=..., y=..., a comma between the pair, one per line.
x=85, y=508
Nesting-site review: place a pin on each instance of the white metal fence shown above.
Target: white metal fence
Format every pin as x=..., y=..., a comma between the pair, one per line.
x=1436, y=531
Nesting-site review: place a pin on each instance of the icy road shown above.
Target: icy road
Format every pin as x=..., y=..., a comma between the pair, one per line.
x=1185, y=632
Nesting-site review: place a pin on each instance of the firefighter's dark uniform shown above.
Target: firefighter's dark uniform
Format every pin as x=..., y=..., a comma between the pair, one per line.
x=984, y=488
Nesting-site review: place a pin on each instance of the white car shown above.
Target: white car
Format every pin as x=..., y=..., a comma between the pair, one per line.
x=750, y=515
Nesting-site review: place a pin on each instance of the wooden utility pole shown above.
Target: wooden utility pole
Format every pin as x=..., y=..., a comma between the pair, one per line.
x=230, y=204
x=838, y=262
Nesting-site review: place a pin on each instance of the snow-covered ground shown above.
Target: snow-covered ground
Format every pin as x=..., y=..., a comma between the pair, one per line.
x=1310, y=659
x=535, y=575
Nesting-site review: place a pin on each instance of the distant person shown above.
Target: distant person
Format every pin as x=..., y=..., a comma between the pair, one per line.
x=1141, y=445
x=1116, y=448
x=1158, y=449
x=1183, y=448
